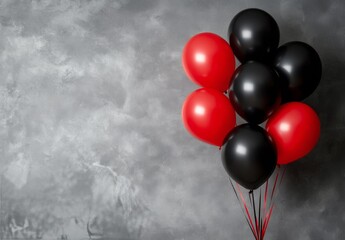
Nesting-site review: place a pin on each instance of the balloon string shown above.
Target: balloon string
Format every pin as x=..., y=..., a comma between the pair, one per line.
x=265, y=205
x=273, y=196
x=267, y=221
x=260, y=220
x=250, y=224
x=275, y=191
x=251, y=194
x=275, y=183
x=250, y=198
x=282, y=175
x=247, y=211
x=270, y=204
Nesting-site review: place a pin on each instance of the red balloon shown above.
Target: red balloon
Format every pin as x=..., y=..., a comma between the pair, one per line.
x=295, y=128
x=209, y=61
x=208, y=115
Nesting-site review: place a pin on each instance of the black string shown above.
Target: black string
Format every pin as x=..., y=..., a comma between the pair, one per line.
x=254, y=210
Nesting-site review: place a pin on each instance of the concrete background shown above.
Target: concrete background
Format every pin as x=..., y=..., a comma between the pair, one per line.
x=91, y=139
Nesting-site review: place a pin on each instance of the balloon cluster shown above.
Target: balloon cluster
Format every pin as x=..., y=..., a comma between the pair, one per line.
x=268, y=85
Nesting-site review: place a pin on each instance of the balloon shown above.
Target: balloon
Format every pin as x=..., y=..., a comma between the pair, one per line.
x=249, y=156
x=255, y=91
x=208, y=115
x=295, y=129
x=253, y=35
x=208, y=61
x=300, y=69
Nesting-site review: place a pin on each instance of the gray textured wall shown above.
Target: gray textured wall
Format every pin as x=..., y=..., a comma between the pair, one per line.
x=90, y=130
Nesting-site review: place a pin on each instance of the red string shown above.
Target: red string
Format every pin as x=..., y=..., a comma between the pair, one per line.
x=262, y=220
x=247, y=211
x=265, y=205
x=268, y=219
x=260, y=217
x=271, y=205
x=239, y=201
x=282, y=176
x=275, y=183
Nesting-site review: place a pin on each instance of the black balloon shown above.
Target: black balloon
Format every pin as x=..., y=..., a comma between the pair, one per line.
x=253, y=35
x=255, y=91
x=249, y=156
x=300, y=69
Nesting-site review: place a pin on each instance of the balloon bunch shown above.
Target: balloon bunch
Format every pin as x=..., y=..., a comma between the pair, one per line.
x=268, y=85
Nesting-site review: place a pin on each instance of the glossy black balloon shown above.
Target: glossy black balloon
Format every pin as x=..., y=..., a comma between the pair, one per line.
x=249, y=156
x=300, y=69
x=255, y=91
x=253, y=35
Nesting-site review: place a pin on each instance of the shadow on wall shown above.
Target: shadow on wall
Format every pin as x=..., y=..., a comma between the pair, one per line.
x=316, y=174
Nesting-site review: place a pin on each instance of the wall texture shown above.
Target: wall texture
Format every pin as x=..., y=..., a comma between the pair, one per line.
x=91, y=139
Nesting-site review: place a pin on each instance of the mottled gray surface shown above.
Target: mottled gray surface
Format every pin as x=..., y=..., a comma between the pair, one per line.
x=90, y=130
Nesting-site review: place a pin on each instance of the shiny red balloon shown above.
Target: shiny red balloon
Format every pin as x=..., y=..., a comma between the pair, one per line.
x=209, y=61
x=208, y=115
x=295, y=129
